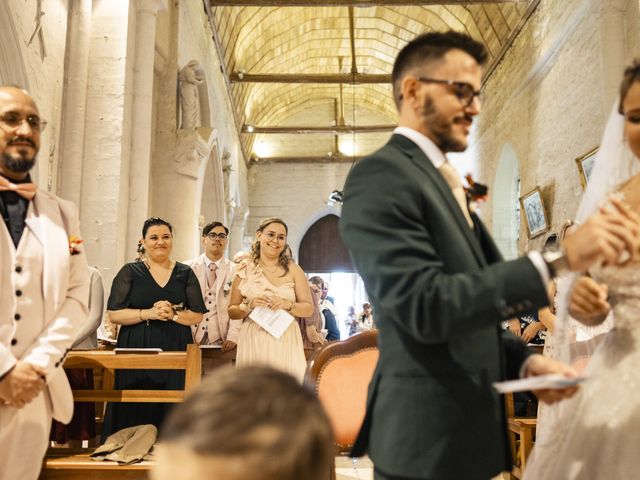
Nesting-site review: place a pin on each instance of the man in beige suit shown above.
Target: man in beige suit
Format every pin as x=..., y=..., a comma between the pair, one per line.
x=44, y=285
x=215, y=274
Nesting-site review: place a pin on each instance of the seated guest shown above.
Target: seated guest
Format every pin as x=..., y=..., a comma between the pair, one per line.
x=270, y=279
x=253, y=423
x=155, y=302
x=215, y=273
x=327, y=309
x=311, y=327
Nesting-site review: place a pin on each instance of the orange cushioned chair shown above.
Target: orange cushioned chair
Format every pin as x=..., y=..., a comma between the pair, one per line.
x=340, y=373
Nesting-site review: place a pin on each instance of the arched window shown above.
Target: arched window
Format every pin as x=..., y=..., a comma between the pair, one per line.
x=506, y=214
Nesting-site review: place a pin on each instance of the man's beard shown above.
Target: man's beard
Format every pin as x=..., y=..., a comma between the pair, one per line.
x=17, y=164
x=441, y=128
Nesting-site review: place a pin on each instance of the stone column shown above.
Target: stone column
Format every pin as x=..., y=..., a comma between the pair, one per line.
x=142, y=107
x=74, y=100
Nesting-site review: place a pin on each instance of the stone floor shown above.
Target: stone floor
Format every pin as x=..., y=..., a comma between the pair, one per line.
x=362, y=469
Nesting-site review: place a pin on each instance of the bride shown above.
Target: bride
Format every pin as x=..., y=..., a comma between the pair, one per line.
x=595, y=429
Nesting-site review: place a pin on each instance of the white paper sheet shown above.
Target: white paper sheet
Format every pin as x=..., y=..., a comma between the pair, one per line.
x=551, y=381
x=273, y=321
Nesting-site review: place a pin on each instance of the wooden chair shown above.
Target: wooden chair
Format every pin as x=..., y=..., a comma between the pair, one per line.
x=69, y=464
x=522, y=428
x=340, y=373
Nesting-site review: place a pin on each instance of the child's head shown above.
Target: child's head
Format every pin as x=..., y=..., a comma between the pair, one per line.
x=251, y=423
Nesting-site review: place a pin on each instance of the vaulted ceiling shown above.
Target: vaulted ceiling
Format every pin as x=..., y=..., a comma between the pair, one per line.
x=310, y=79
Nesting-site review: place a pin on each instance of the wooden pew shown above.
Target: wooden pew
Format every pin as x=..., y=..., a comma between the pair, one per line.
x=519, y=428
x=70, y=464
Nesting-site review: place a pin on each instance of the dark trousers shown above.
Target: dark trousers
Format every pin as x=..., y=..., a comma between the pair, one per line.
x=378, y=475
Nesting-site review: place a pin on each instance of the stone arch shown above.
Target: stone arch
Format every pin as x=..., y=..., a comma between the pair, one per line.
x=506, y=190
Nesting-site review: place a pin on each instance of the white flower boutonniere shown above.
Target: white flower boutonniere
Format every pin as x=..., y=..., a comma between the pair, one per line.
x=226, y=288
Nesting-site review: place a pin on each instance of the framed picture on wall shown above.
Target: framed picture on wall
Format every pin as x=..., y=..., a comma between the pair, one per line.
x=585, y=166
x=534, y=213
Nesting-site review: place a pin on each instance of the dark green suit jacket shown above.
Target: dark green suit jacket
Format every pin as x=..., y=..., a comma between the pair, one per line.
x=439, y=291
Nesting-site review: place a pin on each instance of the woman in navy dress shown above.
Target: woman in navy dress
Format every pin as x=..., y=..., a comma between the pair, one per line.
x=154, y=302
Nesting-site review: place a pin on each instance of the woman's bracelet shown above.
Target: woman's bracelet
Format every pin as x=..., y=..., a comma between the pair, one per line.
x=291, y=307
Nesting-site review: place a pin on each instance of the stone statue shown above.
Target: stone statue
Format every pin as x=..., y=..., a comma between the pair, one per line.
x=191, y=76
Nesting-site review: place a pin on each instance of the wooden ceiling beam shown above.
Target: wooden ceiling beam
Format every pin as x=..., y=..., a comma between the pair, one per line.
x=355, y=78
x=318, y=130
x=298, y=160
x=350, y=3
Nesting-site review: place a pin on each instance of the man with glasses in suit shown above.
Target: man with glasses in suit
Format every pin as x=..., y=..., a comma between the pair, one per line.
x=438, y=283
x=215, y=274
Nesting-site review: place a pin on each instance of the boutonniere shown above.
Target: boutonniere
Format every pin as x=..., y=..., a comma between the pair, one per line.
x=226, y=288
x=74, y=245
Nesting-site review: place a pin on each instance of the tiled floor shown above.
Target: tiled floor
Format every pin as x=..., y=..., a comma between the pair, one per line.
x=363, y=469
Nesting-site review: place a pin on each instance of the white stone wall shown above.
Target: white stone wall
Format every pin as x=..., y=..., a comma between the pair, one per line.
x=547, y=101
x=297, y=193
x=45, y=76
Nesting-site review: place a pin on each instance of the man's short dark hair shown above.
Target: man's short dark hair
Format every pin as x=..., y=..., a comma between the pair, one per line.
x=317, y=280
x=262, y=416
x=432, y=46
x=211, y=225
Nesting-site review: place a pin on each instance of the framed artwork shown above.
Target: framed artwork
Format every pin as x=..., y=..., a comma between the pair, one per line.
x=585, y=166
x=534, y=213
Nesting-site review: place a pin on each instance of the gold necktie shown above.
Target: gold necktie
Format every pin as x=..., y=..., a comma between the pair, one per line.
x=452, y=177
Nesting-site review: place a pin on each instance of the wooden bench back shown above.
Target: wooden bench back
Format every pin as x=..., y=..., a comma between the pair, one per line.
x=189, y=361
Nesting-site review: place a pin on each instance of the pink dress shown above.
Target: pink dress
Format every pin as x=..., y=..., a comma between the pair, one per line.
x=255, y=345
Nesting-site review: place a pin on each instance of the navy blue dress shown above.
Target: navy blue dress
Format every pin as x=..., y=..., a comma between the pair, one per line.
x=134, y=287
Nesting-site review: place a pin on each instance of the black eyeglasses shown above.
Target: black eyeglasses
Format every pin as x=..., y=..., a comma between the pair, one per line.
x=12, y=121
x=213, y=236
x=463, y=90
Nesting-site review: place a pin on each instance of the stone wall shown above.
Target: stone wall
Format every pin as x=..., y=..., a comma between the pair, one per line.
x=43, y=76
x=297, y=193
x=548, y=102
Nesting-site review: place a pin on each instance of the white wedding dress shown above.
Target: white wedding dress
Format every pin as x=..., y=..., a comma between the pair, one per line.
x=596, y=435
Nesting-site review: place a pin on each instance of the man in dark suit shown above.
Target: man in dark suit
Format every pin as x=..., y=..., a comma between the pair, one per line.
x=438, y=283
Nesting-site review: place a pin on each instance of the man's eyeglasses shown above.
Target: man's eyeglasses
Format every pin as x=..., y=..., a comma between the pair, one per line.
x=219, y=236
x=12, y=121
x=463, y=90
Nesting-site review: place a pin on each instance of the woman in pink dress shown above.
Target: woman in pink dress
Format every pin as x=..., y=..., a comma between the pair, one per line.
x=270, y=278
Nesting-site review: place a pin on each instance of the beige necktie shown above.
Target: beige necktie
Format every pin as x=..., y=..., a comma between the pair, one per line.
x=211, y=275
x=452, y=177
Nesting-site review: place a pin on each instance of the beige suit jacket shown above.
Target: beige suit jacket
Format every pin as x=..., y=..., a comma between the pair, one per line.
x=65, y=288
x=229, y=329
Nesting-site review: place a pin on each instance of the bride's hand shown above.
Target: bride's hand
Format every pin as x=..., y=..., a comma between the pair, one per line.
x=588, y=303
x=610, y=236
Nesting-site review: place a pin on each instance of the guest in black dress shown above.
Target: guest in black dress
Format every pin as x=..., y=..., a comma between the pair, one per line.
x=155, y=302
